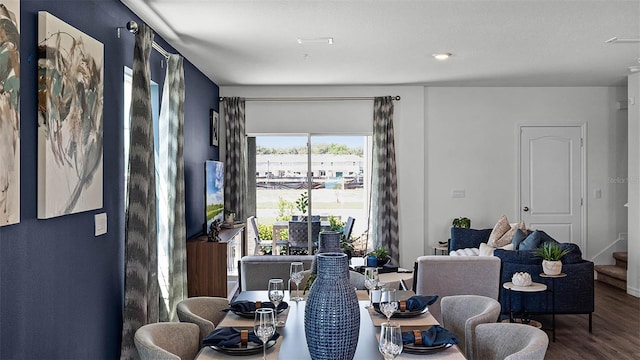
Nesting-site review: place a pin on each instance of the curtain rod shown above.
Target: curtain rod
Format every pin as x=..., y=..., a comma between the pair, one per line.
x=132, y=26
x=315, y=98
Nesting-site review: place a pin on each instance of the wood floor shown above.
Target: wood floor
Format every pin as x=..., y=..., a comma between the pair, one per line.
x=616, y=329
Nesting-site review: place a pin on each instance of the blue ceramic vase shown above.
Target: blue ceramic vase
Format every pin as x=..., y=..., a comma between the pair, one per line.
x=329, y=243
x=332, y=313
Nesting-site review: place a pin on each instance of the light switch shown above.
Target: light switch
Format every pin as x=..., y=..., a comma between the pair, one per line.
x=100, y=221
x=597, y=193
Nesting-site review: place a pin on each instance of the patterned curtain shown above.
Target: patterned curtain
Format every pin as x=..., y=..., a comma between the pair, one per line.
x=235, y=162
x=141, y=297
x=384, y=188
x=172, y=228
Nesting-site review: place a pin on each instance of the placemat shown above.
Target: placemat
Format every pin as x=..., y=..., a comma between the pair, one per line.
x=233, y=320
x=207, y=353
x=425, y=319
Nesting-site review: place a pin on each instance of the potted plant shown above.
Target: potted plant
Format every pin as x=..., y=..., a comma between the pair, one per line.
x=551, y=254
x=301, y=204
x=381, y=254
x=462, y=222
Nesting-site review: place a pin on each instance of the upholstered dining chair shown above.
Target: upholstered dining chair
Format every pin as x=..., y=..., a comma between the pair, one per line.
x=204, y=311
x=462, y=313
x=510, y=342
x=252, y=224
x=167, y=341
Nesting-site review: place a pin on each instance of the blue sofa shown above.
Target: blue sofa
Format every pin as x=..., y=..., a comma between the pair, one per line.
x=573, y=293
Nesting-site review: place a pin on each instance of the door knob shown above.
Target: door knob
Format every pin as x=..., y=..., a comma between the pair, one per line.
x=526, y=208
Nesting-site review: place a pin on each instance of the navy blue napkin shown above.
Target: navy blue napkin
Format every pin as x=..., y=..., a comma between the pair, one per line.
x=245, y=306
x=229, y=336
x=435, y=336
x=419, y=302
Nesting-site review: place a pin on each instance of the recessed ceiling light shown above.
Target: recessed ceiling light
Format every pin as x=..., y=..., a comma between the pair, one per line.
x=617, y=40
x=441, y=56
x=320, y=40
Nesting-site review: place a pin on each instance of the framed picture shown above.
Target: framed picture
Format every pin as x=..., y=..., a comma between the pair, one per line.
x=70, y=123
x=214, y=118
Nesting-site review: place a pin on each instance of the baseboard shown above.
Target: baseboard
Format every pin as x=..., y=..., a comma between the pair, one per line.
x=633, y=291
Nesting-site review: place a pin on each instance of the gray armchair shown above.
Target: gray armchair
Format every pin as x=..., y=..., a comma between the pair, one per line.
x=204, y=311
x=510, y=342
x=167, y=341
x=462, y=313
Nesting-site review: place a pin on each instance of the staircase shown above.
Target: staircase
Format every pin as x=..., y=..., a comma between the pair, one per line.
x=615, y=275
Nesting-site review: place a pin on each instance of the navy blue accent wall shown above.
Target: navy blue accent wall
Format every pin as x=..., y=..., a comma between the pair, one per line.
x=61, y=288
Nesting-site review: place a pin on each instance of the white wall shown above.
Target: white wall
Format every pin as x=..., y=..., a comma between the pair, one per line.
x=633, y=272
x=471, y=136
x=409, y=136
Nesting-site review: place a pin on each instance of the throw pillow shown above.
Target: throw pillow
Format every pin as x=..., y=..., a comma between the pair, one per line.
x=508, y=236
x=486, y=250
x=518, y=237
x=501, y=227
x=531, y=242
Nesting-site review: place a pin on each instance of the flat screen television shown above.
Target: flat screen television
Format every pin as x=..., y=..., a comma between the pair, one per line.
x=214, y=191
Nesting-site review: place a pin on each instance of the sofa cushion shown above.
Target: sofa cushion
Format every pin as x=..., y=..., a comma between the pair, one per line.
x=531, y=242
x=467, y=238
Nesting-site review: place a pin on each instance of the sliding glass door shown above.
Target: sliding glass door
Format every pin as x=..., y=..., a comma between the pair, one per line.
x=322, y=176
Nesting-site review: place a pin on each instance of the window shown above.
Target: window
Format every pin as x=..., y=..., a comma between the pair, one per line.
x=337, y=168
x=161, y=210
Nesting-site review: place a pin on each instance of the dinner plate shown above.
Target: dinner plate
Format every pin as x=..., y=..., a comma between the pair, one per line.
x=250, y=349
x=251, y=314
x=421, y=349
x=402, y=314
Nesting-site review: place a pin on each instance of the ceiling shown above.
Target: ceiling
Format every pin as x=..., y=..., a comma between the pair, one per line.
x=384, y=42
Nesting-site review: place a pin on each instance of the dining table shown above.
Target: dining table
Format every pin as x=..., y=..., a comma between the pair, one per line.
x=292, y=343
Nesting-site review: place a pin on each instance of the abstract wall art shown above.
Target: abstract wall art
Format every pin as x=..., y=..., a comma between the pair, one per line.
x=70, y=119
x=9, y=112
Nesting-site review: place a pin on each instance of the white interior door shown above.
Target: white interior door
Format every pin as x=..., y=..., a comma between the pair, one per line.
x=551, y=172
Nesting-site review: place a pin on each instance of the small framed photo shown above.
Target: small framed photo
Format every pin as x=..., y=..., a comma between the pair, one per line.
x=214, y=119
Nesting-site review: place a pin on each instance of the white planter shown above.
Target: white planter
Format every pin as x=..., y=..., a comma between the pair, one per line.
x=552, y=267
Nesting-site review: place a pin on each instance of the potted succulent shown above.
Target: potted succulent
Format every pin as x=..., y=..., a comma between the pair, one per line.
x=551, y=254
x=381, y=254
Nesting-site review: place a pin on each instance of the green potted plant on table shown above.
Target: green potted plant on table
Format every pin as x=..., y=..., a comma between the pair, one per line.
x=551, y=254
x=381, y=255
x=301, y=204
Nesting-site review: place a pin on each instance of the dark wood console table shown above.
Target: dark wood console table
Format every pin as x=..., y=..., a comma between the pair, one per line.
x=209, y=263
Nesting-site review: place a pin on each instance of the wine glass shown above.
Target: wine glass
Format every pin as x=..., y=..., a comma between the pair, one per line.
x=296, y=274
x=264, y=326
x=390, y=343
x=388, y=303
x=370, y=282
x=276, y=294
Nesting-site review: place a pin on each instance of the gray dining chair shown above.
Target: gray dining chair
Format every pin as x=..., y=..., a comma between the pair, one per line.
x=167, y=341
x=462, y=313
x=508, y=341
x=252, y=224
x=204, y=311
x=298, y=234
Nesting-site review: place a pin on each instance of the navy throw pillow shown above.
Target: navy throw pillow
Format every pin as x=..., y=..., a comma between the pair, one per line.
x=517, y=238
x=531, y=242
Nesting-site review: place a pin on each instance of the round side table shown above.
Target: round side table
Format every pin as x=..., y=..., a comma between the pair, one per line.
x=553, y=300
x=524, y=319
